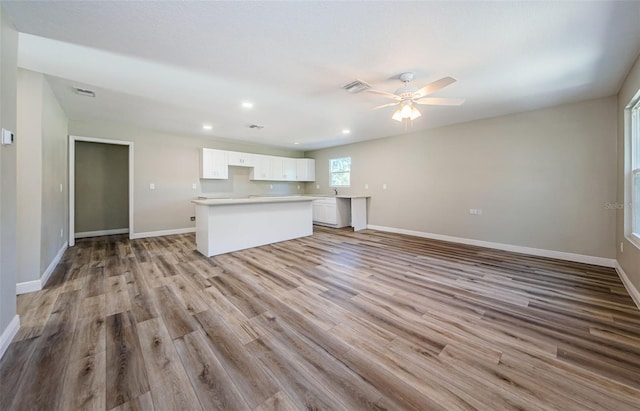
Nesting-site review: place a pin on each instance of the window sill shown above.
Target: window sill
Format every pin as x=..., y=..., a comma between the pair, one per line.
x=634, y=239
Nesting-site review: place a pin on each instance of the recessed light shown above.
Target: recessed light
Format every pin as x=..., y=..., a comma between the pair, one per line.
x=296, y=143
x=207, y=127
x=346, y=131
x=247, y=104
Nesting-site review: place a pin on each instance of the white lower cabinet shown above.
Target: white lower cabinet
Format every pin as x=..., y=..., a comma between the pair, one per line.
x=334, y=212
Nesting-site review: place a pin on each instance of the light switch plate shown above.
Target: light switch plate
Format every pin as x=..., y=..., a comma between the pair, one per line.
x=152, y=186
x=7, y=137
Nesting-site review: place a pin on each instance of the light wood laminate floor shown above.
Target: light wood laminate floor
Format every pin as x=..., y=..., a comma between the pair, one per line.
x=336, y=321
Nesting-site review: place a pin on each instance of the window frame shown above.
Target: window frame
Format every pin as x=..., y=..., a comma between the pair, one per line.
x=631, y=218
x=634, y=146
x=332, y=173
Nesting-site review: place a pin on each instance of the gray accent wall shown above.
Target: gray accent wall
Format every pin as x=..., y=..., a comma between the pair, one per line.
x=42, y=177
x=101, y=187
x=171, y=163
x=541, y=178
x=629, y=260
x=8, y=161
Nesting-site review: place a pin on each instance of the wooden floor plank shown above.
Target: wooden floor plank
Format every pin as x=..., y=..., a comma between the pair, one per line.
x=87, y=375
x=50, y=358
x=214, y=388
x=126, y=374
x=337, y=320
x=170, y=386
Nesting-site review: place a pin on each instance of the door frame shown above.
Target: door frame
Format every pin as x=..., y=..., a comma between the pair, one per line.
x=72, y=180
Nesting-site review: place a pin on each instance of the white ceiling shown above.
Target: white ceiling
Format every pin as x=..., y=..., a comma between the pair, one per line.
x=172, y=66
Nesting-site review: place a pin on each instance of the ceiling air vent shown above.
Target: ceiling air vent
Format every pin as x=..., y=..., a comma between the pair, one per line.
x=356, y=86
x=84, y=92
x=256, y=126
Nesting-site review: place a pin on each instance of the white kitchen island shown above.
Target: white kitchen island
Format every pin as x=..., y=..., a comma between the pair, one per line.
x=232, y=224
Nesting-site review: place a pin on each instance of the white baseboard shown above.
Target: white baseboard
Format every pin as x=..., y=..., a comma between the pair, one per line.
x=7, y=335
x=631, y=289
x=560, y=255
x=37, y=285
x=99, y=233
x=28, y=287
x=163, y=232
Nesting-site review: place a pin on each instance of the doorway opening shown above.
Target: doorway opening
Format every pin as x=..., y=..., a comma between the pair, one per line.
x=100, y=187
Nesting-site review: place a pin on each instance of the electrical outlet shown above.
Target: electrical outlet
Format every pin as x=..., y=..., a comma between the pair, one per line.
x=194, y=186
x=298, y=186
x=61, y=187
x=622, y=246
x=479, y=211
x=384, y=186
x=317, y=186
x=61, y=233
x=366, y=186
x=270, y=186
x=193, y=218
x=152, y=186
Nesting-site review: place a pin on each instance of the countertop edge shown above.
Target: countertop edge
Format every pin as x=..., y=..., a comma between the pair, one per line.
x=253, y=200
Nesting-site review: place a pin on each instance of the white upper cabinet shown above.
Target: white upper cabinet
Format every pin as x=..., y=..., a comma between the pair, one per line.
x=214, y=164
x=241, y=159
x=305, y=169
x=277, y=170
x=261, y=168
x=289, y=169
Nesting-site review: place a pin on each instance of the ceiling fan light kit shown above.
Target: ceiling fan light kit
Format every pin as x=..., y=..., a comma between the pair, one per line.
x=408, y=96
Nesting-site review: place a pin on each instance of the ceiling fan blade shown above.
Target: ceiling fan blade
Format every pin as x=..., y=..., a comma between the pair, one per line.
x=435, y=101
x=385, y=105
x=433, y=87
x=385, y=94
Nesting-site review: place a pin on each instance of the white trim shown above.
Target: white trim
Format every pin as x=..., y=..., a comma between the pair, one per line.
x=100, y=233
x=72, y=188
x=163, y=233
x=633, y=239
x=53, y=265
x=631, y=289
x=560, y=255
x=28, y=287
x=37, y=285
x=7, y=335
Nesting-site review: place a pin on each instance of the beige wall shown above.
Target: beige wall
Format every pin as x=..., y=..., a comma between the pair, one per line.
x=541, y=178
x=54, y=175
x=101, y=187
x=8, y=156
x=171, y=162
x=629, y=260
x=41, y=171
x=29, y=174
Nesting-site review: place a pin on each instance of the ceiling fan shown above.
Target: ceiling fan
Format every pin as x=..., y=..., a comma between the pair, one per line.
x=407, y=97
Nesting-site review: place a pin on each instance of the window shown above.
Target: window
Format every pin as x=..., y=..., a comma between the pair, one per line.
x=635, y=169
x=340, y=172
